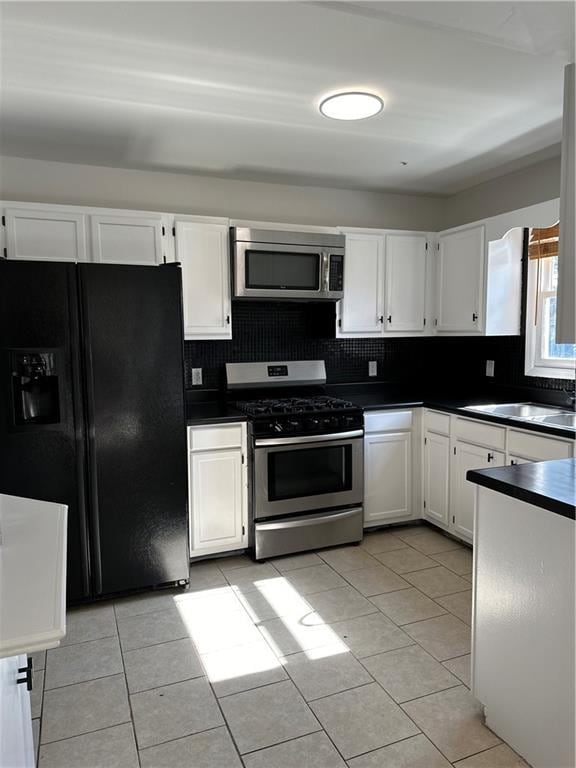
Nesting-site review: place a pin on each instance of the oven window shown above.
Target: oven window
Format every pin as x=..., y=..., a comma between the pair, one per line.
x=309, y=472
x=282, y=270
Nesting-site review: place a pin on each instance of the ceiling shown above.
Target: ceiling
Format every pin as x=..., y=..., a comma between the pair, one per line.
x=231, y=89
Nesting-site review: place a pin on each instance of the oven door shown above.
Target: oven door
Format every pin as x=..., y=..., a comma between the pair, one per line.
x=265, y=270
x=301, y=474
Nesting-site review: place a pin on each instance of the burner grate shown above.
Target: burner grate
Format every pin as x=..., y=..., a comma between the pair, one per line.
x=293, y=405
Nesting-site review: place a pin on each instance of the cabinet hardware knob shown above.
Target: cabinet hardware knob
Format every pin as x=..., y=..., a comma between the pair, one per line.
x=227, y=319
x=381, y=319
x=490, y=457
x=474, y=317
x=389, y=318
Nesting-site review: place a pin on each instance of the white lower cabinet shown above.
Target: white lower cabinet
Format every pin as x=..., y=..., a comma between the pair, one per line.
x=388, y=482
x=388, y=467
x=16, y=743
x=467, y=456
x=436, y=478
x=218, y=482
x=513, y=460
x=454, y=444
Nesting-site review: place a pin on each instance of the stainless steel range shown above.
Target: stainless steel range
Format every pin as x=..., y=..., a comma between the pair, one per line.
x=307, y=479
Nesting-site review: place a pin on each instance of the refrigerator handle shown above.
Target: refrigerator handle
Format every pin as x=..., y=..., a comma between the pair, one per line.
x=92, y=459
x=79, y=423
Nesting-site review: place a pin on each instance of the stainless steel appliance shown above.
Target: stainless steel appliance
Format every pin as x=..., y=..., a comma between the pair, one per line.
x=268, y=264
x=307, y=476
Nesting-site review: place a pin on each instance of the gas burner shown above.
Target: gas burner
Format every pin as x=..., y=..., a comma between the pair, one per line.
x=292, y=405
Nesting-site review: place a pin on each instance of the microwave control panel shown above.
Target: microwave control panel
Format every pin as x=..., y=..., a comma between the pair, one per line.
x=336, y=281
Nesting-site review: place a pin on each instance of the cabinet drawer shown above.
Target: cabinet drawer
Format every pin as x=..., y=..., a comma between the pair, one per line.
x=538, y=448
x=438, y=422
x=481, y=433
x=385, y=421
x=206, y=438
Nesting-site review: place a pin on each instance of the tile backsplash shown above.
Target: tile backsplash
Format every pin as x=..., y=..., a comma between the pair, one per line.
x=296, y=331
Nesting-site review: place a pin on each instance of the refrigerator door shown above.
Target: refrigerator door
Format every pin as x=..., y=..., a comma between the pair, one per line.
x=41, y=415
x=136, y=426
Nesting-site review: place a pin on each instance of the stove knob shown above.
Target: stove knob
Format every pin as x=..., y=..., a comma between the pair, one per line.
x=348, y=421
x=277, y=426
x=294, y=426
x=313, y=423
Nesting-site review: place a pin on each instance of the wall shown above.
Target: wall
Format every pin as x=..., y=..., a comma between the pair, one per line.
x=43, y=181
x=528, y=186
x=291, y=331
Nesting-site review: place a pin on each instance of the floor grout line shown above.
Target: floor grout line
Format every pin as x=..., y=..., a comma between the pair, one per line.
x=257, y=623
x=85, y=733
x=133, y=724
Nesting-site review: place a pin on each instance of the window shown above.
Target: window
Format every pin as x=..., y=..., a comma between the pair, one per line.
x=544, y=357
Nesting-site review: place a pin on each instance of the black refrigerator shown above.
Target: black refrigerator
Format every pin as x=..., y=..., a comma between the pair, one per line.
x=93, y=415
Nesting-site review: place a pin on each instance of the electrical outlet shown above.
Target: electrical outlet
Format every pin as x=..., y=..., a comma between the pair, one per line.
x=372, y=368
x=489, y=367
x=196, y=377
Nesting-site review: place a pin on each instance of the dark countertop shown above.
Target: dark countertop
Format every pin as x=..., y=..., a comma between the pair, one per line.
x=375, y=397
x=212, y=412
x=550, y=485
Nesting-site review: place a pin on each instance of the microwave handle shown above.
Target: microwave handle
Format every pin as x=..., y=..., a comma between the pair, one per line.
x=325, y=272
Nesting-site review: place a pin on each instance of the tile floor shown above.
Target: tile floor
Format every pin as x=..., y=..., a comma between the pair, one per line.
x=354, y=657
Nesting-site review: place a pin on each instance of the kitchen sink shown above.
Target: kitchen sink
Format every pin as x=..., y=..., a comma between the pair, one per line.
x=550, y=415
x=516, y=410
x=560, y=420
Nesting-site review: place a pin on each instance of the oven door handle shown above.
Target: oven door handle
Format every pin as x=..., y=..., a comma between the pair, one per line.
x=307, y=438
x=320, y=519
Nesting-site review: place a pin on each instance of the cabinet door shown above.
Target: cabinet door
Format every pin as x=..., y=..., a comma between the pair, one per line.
x=202, y=249
x=127, y=239
x=387, y=477
x=361, y=309
x=16, y=744
x=466, y=457
x=45, y=235
x=405, y=282
x=436, y=477
x=512, y=460
x=216, y=501
x=460, y=281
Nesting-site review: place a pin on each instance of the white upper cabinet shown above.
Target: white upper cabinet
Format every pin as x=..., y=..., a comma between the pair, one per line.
x=385, y=285
x=118, y=239
x=460, y=273
x=361, y=312
x=45, y=234
x=405, y=282
x=202, y=249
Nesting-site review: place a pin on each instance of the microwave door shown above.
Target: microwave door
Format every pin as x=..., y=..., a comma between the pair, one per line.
x=279, y=271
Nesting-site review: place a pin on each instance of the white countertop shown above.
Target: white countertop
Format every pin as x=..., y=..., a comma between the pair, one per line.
x=32, y=575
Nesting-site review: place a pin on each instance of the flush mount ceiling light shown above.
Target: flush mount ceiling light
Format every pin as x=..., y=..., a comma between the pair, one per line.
x=352, y=105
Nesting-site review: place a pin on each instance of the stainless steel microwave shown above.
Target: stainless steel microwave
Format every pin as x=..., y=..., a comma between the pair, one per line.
x=268, y=264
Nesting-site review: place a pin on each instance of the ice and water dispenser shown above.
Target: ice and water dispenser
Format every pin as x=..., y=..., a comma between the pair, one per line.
x=35, y=389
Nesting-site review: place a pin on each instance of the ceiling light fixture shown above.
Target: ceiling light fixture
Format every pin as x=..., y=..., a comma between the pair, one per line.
x=353, y=105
